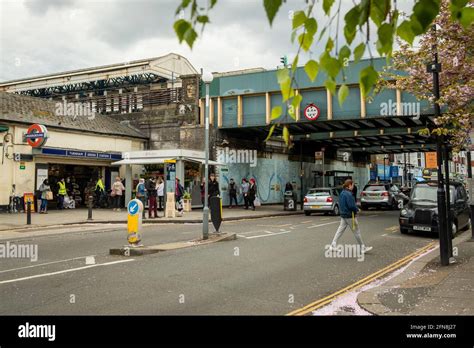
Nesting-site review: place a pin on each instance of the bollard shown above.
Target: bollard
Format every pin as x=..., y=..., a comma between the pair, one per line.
x=89, y=213
x=28, y=213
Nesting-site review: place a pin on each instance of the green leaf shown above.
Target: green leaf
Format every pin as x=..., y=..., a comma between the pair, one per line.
x=190, y=36
x=342, y=94
x=276, y=112
x=271, y=8
x=311, y=26
x=344, y=54
x=327, y=6
x=425, y=11
x=329, y=45
x=352, y=19
x=379, y=11
x=286, y=91
x=202, y=19
x=305, y=41
x=330, y=64
x=299, y=17
x=213, y=2
x=283, y=75
x=405, y=32
x=286, y=135
x=467, y=17
x=385, y=39
x=180, y=27
x=364, y=8
x=330, y=84
x=359, y=52
x=293, y=35
x=367, y=79
x=311, y=68
x=270, y=132
x=322, y=33
x=294, y=104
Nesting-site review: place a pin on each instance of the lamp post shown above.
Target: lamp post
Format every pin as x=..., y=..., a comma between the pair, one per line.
x=207, y=79
x=384, y=167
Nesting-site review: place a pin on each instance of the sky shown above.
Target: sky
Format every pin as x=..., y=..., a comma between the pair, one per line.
x=40, y=37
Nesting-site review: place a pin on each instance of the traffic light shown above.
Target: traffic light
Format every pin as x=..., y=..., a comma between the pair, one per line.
x=284, y=60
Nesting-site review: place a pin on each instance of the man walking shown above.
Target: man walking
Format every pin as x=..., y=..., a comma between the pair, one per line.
x=232, y=193
x=179, y=192
x=141, y=194
x=348, y=210
x=152, y=193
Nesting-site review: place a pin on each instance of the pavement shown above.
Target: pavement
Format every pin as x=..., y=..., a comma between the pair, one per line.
x=16, y=221
x=427, y=288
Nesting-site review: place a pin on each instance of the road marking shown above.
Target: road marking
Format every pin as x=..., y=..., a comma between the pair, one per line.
x=327, y=223
x=268, y=235
x=325, y=219
x=306, y=222
x=269, y=232
x=285, y=225
x=370, y=278
x=392, y=228
x=46, y=263
x=64, y=271
x=383, y=235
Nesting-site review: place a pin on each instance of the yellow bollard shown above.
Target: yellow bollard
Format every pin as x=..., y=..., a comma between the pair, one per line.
x=134, y=221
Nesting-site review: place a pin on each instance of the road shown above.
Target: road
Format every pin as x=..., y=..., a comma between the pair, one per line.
x=275, y=266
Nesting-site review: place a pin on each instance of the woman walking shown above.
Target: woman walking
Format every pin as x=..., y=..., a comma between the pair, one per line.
x=117, y=192
x=252, y=193
x=44, y=188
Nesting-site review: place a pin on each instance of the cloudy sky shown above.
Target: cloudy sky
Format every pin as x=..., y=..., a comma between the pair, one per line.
x=46, y=36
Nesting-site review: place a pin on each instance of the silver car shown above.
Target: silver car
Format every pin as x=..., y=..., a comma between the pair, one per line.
x=324, y=199
x=380, y=195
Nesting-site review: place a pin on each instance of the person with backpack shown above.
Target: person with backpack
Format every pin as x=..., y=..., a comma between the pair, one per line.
x=348, y=211
x=152, y=194
x=232, y=193
x=141, y=194
x=179, y=192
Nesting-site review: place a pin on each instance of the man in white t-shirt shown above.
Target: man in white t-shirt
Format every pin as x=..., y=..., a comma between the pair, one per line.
x=160, y=189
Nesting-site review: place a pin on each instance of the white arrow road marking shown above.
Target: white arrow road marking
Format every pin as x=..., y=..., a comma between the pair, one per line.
x=46, y=263
x=64, y=271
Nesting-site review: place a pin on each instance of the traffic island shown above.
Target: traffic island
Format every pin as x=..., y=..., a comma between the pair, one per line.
x=153, y=249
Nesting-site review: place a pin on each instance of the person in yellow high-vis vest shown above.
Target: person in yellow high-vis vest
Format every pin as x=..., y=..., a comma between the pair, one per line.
x=62, y=192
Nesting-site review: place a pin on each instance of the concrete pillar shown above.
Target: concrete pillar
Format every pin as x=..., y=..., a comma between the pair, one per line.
x=268, y=108
x=329, y=102
x=240, y=118
x=128, y=183
x=219, y=112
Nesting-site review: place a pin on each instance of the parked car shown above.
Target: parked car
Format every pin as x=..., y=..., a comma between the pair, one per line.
x=325, y=199
x=421, y=213
x=381, y=195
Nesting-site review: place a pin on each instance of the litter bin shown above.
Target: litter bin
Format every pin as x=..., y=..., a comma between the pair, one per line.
x=289, y=201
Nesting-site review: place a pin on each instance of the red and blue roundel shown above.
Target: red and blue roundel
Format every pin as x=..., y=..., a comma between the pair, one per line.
x=37, y=135
x=311, y=112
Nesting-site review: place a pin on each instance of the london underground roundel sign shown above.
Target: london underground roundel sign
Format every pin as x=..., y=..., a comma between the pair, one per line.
x=36, y=135
x=311, y=112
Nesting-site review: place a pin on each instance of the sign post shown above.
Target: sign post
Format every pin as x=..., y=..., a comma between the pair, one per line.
x=134, y=222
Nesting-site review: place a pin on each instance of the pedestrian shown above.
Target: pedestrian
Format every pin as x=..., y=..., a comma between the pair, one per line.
x=202, y=187
x=44, y=189
x=179, y=192
x=117, y=192
x=245, y=192
x=232, y=193
x=213, y=188
x=354, y=192
x=62, y=192
x=160, y=189
x=152, y=194
x=288, y=187
x=252, y=193
x=99, y=192
x=141, y=194
x=348, y=211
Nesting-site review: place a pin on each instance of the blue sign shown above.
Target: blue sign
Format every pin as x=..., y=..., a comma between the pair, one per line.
x=133, y=207
x=81, y=154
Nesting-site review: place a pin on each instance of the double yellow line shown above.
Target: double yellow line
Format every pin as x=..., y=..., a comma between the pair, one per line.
x=380, y=273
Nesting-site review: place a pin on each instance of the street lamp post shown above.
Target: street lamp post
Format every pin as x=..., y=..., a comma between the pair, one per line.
x=435, y=68
x=207, y=79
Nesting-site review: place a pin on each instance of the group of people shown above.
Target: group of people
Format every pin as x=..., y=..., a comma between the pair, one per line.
x=151, y=190
x=248, y=190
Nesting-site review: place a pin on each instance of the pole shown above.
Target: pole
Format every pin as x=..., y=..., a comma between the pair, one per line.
x=405, y=174
x=89, y=212
x=205, y=211
x=28, y=213
x=441, y=194
x=448, y=200
x=469, y=175
x=301, y=175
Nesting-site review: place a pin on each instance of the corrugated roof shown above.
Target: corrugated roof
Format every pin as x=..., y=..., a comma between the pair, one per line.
x=28, y=110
